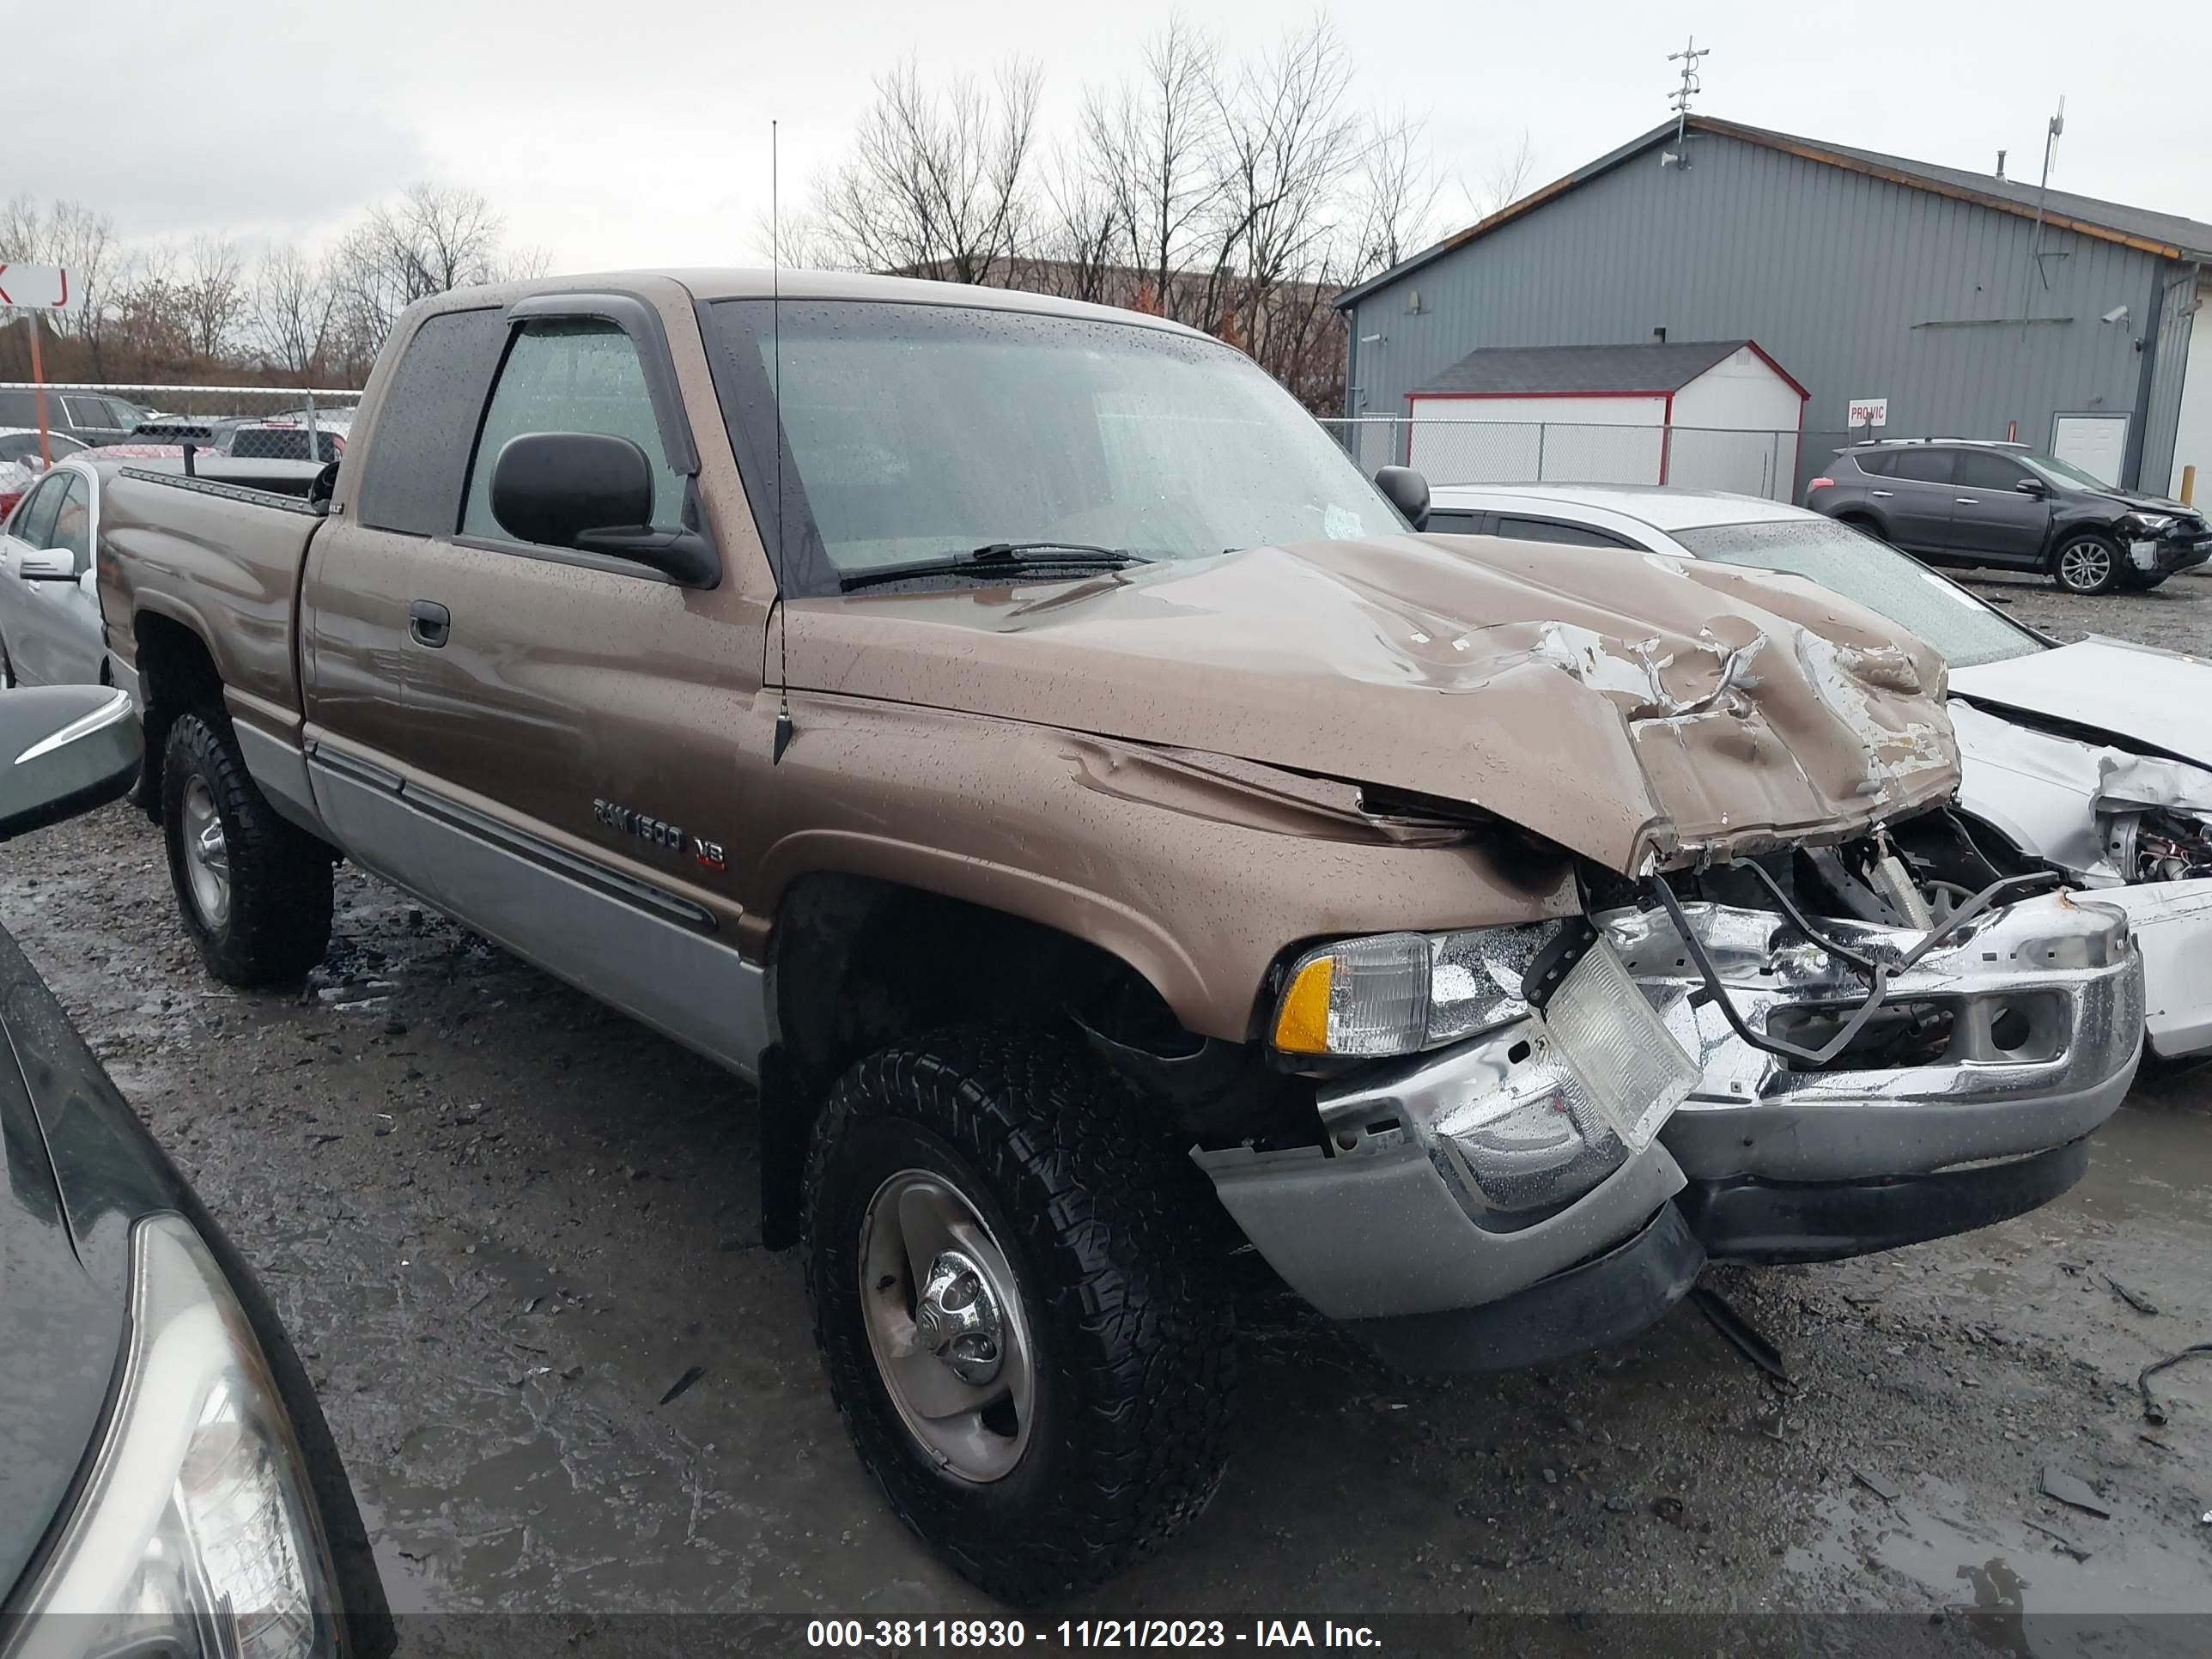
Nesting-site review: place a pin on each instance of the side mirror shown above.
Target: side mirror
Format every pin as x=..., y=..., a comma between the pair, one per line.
x=1406, y=490
x=592, y=491
x=52, y=564
x=67, y=749
x=2031, y=487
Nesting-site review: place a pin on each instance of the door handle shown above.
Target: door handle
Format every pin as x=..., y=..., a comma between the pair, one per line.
x=1882, y=492
x=429, y=623
x=1967, y=500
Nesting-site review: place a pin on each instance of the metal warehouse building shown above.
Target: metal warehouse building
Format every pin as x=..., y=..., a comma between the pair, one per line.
x=1960, y=304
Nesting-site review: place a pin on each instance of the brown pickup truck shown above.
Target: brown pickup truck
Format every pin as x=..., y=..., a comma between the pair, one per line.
x=1013, y=735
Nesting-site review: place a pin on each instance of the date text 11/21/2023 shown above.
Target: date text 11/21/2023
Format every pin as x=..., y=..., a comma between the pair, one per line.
x=1003, y=1633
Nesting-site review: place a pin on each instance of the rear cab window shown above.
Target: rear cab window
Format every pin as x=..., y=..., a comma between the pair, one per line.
x=412, y=475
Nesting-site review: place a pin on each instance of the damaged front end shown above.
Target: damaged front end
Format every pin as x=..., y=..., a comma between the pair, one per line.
x=1884, y=1056
x=2134, y=827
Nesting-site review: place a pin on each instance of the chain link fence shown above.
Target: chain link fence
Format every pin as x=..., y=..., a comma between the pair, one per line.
x=256, y=423
x=1753, y=463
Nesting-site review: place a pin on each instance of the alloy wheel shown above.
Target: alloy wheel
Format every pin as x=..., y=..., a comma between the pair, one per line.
x=2085, y=565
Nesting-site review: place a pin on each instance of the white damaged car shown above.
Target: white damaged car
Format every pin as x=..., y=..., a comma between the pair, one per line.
x=2094, y=759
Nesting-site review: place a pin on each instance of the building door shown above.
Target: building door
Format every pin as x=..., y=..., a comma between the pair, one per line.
x=2098, y=444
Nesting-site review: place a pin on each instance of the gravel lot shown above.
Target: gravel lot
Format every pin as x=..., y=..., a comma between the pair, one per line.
x=502, y=1223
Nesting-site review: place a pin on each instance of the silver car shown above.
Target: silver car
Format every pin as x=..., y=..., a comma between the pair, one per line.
x=2094, y=758
x=49, y=611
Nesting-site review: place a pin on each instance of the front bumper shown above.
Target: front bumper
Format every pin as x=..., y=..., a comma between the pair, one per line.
x=1457, y=1180
x=1745, y=1219
x=2163, y=556
x=2044, y=1004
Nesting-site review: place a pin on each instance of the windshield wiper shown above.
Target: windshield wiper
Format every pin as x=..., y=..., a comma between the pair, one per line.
x=995, y=558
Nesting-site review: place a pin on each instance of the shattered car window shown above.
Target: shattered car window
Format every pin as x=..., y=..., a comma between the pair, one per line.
x=1967, y=631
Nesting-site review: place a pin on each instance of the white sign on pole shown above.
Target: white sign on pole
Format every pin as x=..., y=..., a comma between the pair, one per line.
x=1868, y=411
x=38, y=288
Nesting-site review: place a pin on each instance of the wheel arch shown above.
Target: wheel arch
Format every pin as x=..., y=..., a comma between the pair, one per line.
x=176, y=671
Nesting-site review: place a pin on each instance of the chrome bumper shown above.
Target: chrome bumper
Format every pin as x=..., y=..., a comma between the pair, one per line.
x=1454, y=1179
x=2046, y=1004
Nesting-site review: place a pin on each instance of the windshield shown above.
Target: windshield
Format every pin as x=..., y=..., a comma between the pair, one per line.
x=2060, y=472
x=1964, y=631
x=915, y=433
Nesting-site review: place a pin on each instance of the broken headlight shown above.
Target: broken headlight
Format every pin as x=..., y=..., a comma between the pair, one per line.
x=1399, y=994
x=196, y=1532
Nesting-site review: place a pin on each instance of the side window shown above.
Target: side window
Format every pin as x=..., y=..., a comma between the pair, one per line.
x=1875, y=462
x=1979, y=470
x=1450, y=521
x=73, y=521
x=1544, y=529
x=1925, y=465
x=86, y=411
x=413, y=471
x=33, y=523
x=570, y=374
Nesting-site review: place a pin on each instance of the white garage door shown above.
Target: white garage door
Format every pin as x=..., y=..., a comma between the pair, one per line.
x=2098, y=444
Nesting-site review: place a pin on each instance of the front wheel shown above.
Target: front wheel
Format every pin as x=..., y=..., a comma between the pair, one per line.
x=2088, y=564
x=254, y=891
x=1012, y=1299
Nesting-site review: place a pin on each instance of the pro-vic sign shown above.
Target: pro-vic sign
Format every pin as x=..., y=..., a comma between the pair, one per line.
x=40, y=287
x=1868, y=411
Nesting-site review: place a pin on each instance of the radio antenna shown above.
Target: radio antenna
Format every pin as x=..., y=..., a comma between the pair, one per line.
x=784, y=729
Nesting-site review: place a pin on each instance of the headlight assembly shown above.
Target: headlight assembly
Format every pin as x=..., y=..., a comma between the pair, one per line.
x=2150, y=523
x=196, y=1533
x=1399, y=994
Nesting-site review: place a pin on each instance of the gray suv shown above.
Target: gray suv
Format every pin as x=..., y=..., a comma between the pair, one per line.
x=1958, y=501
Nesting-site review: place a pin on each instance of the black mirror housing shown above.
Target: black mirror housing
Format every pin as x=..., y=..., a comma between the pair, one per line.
x=552, y=487
x=1406, y=490
x=66, y=749
x=592, y=492
x=2031, y=487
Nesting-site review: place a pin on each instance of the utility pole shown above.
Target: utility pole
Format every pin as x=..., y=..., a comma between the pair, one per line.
x=1679, y=100
x=2057, y=125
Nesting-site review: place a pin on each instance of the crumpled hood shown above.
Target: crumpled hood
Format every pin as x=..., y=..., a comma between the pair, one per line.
x=1637, y=710
x=2132, y=694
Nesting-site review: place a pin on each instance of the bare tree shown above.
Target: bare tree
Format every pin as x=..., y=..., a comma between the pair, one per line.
x=295, y=305
x=1397, y=192
x=1153, y=152
x=434, y=238
x=213, y=293
x=939, y=183
x=1504, y=182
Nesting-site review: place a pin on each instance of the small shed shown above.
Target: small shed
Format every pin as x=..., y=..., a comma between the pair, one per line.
x=1705, y=413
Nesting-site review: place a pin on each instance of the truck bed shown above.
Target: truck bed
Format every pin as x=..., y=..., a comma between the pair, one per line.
x=224, y=560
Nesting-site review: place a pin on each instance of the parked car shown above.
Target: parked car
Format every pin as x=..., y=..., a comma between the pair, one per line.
x=50, y=622
x=2094, y=759
x=285, y=438
x=170, y=1485
x=90, y=418
x=856, y=689
x=1960, y=502
x=22, y=458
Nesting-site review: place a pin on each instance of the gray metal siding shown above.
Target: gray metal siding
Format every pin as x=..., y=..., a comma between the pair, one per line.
x=1858, y=287
x=2169, y=369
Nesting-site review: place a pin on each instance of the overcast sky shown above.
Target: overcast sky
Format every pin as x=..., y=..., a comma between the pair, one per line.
x=618, y=135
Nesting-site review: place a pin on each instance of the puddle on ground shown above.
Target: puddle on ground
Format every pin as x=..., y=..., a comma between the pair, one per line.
x=2153, y=1161
x=2138, y=1593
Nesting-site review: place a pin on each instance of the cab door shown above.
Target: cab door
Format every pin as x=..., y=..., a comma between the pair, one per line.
x=573, y=715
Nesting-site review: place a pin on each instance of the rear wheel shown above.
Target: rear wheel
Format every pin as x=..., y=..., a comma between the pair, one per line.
x=254, y=891
x=2087, y=563
x=1012, y=1299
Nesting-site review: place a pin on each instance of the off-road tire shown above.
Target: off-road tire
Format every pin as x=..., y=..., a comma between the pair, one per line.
x=1133, y=1337
x=2115, y=565
x=279, y=920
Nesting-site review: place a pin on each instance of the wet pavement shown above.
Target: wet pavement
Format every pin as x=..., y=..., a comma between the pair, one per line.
x=502, y=1224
